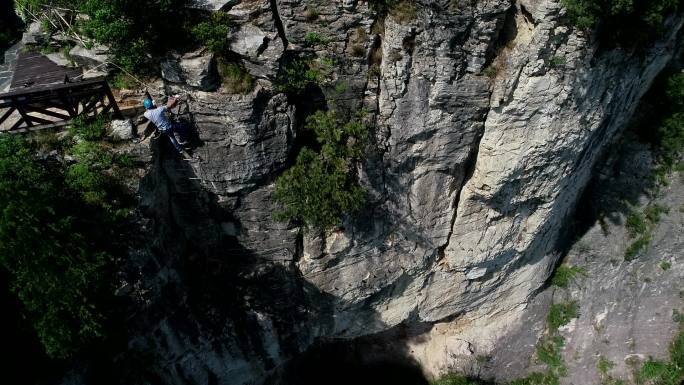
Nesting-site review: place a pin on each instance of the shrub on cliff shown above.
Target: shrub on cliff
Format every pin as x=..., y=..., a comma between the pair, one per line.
x=294, y=76
x=213, y=33
x=320, y=187
x=629, y=21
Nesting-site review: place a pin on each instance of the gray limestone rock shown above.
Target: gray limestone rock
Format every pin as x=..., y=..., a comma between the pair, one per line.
x=256, y=38
x=95, y=60
x=196, y=69
x=470, y=180
x=122, y=130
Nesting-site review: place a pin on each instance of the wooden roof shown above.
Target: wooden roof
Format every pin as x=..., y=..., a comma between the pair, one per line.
x=34, y=69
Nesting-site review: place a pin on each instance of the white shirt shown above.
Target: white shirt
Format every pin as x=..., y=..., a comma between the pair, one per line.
x=158, y=117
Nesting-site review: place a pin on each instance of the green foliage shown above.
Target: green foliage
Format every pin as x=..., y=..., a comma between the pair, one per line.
x=294, y=76
x=490, y=71
x=235, y=78
x=585, y=13
x=87, y=175
x=57, y=274
x=675, y=91
x=669, y=372
x=561, y=313
x=635, y=222
x=629, y=21
x=640, y=225
x=537, y=379
x=604, y=365
x=214, y=33
x=549, y=353
x=565, y=274
x=665, y=265
x=557, y=61
x=122, y=81
x=654, y=212
x=454, y=379
x=88, y=129
x=671, y=139
x=320, y=187
x=133, y=29
x=314, y=38
x=636, y=247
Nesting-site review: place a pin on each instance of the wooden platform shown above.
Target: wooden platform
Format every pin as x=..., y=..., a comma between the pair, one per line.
x=51, y=104
x=44, y=94
x=34, y=69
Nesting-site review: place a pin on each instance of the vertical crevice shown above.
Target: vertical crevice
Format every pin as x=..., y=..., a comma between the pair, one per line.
x=279, y=23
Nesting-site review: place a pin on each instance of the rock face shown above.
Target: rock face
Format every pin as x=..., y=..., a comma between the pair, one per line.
x=486, y=123
x=196, y=69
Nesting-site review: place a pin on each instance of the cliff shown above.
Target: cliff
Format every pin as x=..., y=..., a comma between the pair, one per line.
x=488, y=120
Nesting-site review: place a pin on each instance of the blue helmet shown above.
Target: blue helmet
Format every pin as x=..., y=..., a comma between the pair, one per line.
x=148, y=103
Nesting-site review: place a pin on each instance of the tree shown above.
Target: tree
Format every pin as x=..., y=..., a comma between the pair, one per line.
x=59, y=273
x=320, y=187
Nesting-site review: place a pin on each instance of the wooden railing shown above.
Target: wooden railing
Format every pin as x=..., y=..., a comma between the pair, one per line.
x=39, y=107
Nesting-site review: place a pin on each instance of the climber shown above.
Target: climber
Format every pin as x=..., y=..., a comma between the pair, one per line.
x=157, y=115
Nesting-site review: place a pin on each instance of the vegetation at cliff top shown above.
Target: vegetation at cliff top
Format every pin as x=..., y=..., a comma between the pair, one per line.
x=321, y=186
x=57, y=224
x=625, y=20
x=135, y=29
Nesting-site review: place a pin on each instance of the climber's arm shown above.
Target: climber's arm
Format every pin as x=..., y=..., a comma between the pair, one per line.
x=172, y=102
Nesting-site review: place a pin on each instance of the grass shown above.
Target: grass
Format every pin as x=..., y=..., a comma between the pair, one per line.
x=671, y=372
x=557, y=61
x=122, y=81
x=90, y=130
x=311, y=14
x=403, y=12
x=490, y=71
x=549, y=352
x=454, y=379
x=604, y=365
x=313, y=39
x=654, y=212
x=235, y=78
x=637, y=247
x=564, y=275
x=635, y=222
x=640, y=225
x=665, y=265
x=561, y=313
